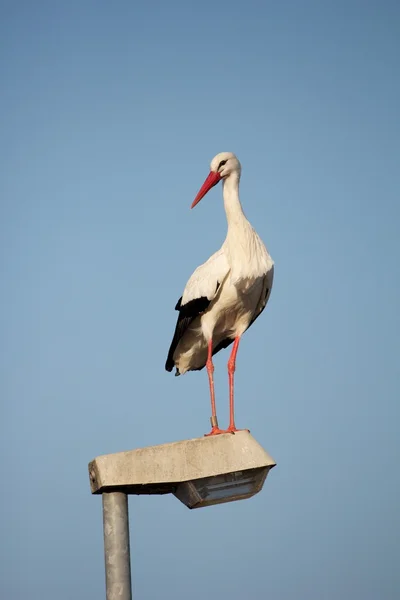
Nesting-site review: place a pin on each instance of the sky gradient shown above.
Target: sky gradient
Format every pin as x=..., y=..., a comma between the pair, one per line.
x=110, y=114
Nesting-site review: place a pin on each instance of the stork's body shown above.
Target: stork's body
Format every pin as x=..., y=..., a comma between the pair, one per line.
x=226, y=294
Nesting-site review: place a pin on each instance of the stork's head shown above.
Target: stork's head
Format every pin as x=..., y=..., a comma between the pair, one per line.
x=222, y=166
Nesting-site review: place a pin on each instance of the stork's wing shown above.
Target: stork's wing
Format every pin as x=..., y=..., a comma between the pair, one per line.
x=262, y=303
x=265, y=294
x=199, y=292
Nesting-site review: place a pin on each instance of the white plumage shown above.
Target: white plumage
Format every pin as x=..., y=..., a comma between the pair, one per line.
x=227, y=293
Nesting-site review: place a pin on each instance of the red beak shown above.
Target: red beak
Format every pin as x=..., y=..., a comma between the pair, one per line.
x=211, y=180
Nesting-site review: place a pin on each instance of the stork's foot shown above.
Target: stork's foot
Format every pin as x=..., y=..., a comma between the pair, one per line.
x=218, y=431
x=215, y=431
x=232, y=429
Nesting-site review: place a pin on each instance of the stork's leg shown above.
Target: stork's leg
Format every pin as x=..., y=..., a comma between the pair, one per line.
x=231, y=371
x=215, y=430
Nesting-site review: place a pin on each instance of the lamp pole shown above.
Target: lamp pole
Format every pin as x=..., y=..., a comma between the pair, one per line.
x=116, y=546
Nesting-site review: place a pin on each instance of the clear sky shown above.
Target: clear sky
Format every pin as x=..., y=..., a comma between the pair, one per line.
x=110, y=115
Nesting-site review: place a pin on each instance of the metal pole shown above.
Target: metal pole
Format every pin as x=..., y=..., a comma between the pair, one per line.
x=116, y=546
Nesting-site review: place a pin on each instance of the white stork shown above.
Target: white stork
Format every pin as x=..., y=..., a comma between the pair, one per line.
x=226, y=294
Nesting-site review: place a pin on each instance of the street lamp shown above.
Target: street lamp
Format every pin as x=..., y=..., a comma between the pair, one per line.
x=199, y=472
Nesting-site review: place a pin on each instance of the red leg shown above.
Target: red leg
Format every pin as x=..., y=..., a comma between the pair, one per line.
x=231, y=371
x=210, y=370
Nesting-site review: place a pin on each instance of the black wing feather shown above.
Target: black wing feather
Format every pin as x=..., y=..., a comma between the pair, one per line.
x=187, y=313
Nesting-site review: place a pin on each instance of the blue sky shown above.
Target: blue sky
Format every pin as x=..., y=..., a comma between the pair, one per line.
x=110, y=115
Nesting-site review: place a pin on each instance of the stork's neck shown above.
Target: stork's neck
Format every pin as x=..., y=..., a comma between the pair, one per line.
x=233, y=209
x=246, y=254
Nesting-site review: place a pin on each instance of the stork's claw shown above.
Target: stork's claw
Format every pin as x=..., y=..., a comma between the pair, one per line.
x=218, y=431
x=215, y=431
x=234, y=430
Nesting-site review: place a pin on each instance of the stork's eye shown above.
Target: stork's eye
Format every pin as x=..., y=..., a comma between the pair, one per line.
x=221, y=164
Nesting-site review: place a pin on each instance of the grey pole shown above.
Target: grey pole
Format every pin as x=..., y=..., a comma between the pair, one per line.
x=116, y=546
